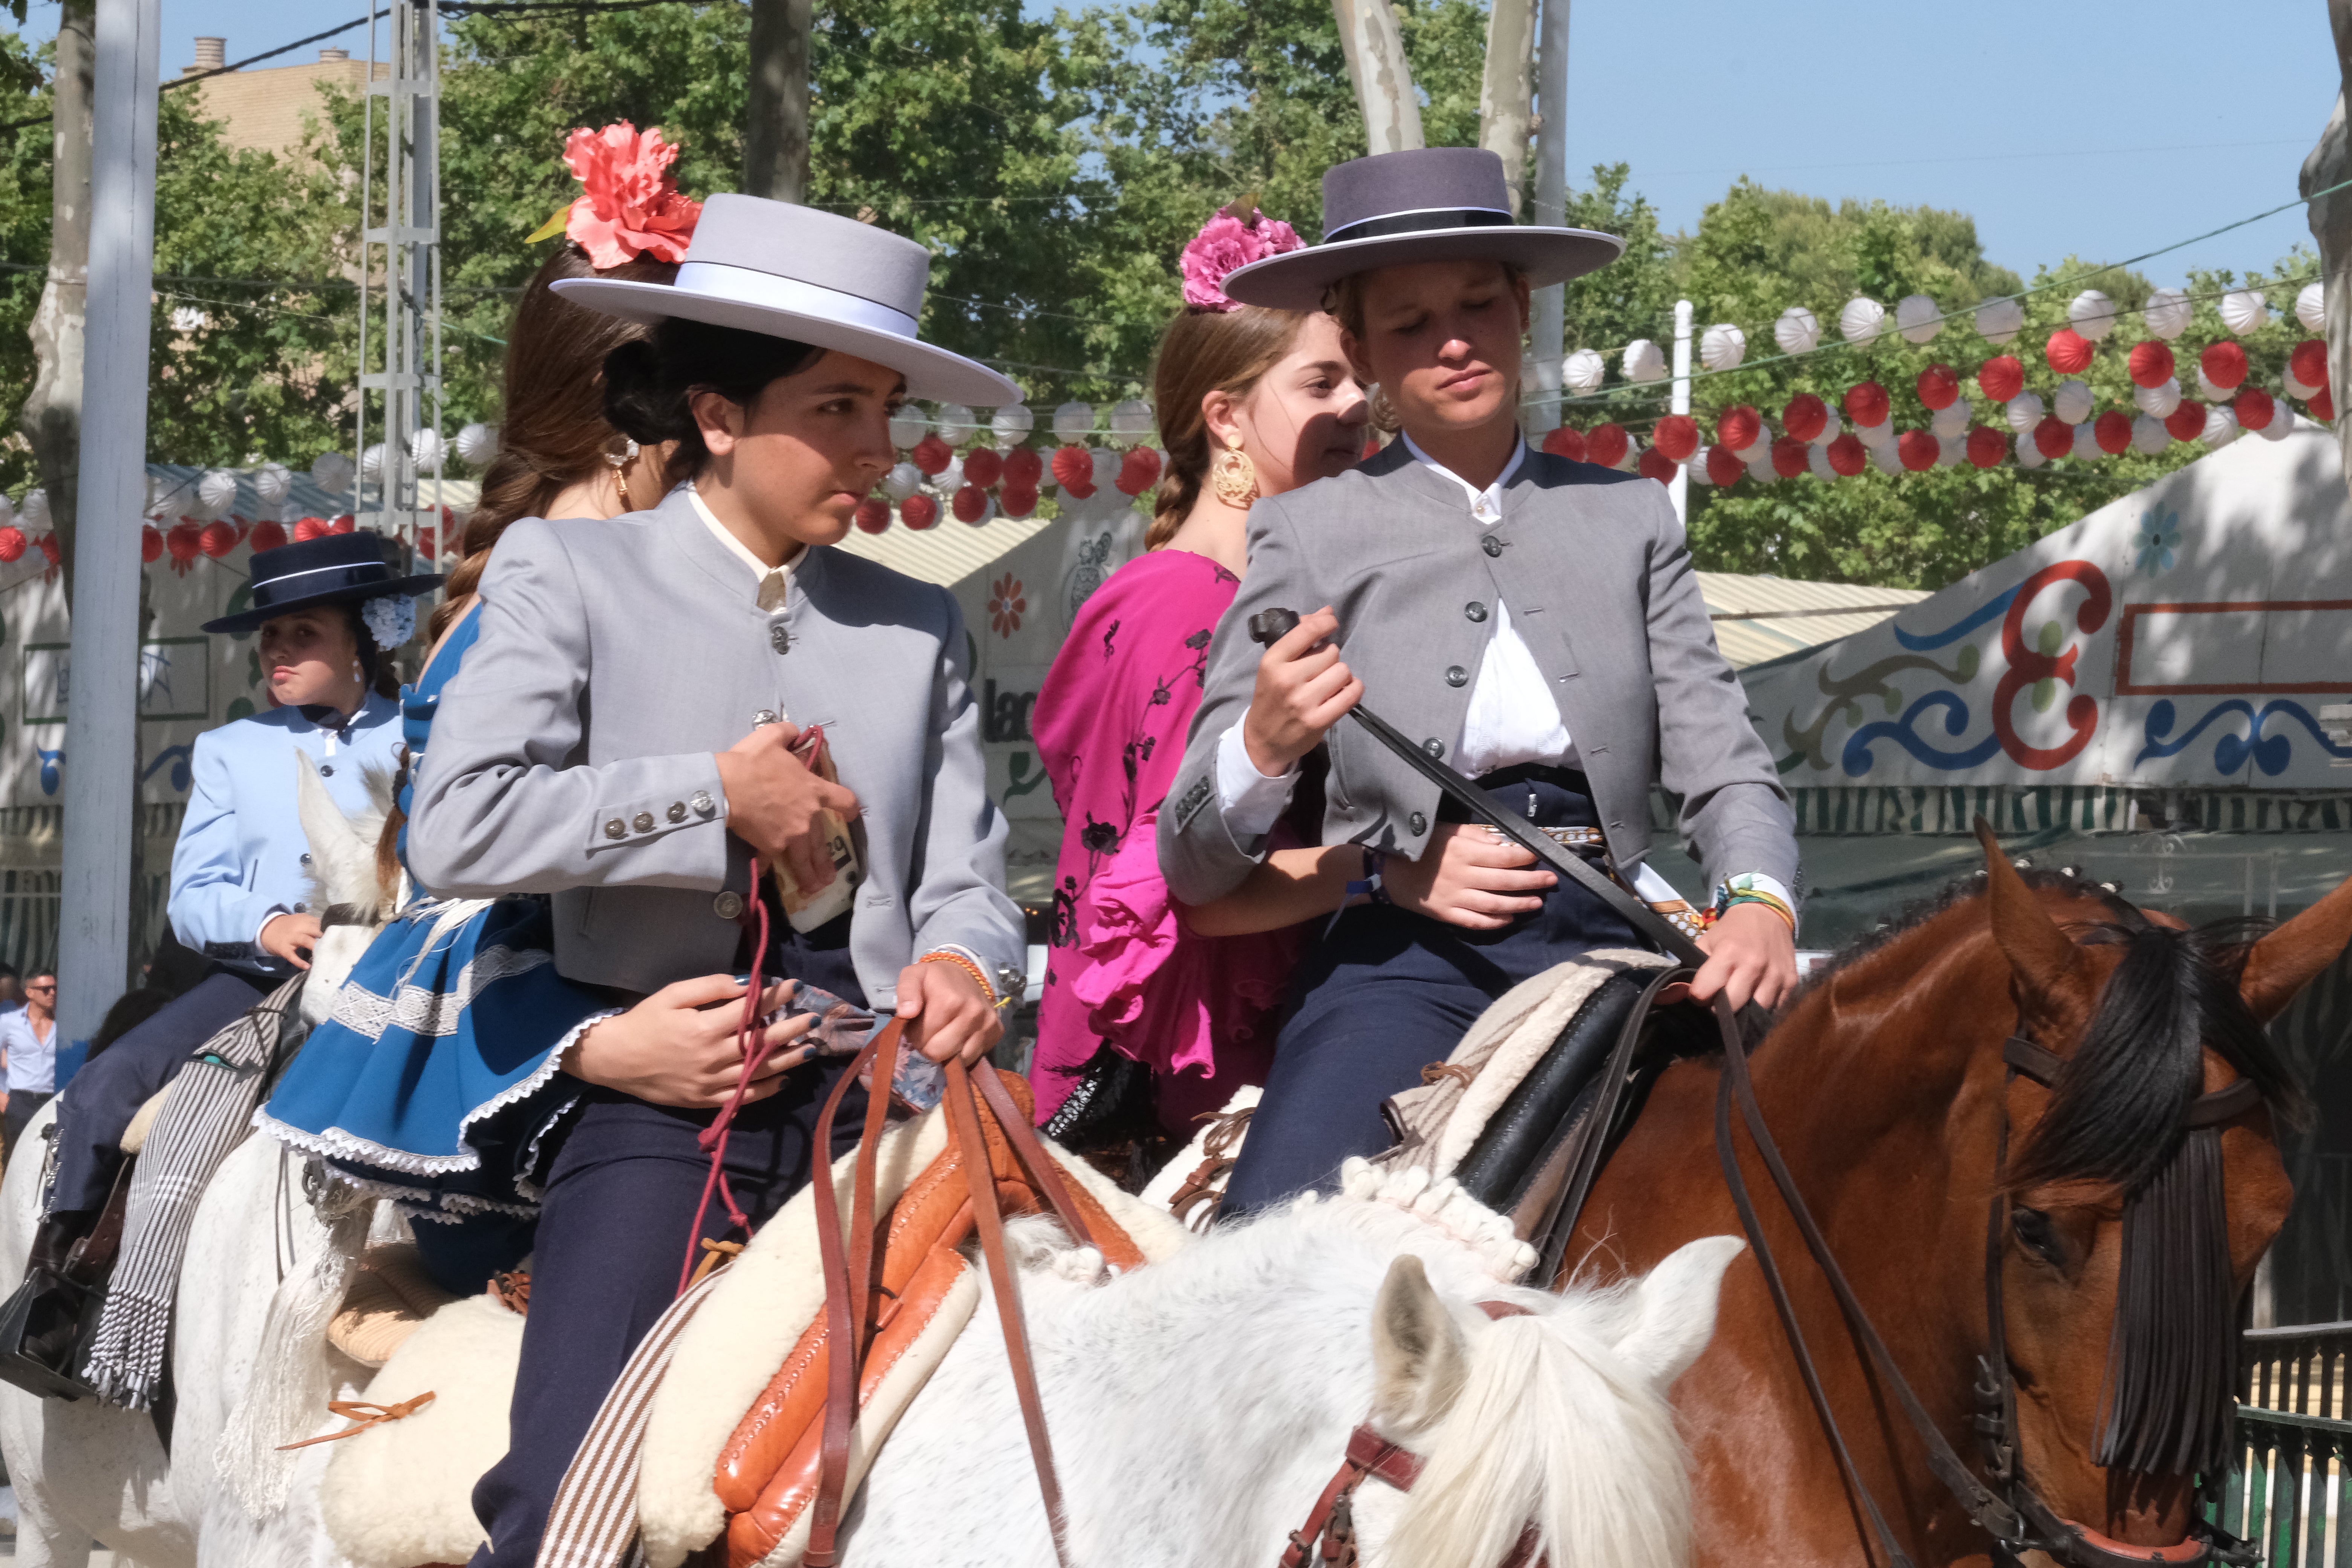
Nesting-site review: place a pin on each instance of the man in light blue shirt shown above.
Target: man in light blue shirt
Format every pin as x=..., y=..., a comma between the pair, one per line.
x=28, y=1044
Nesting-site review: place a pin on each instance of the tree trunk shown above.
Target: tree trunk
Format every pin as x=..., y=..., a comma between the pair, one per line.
x=1505, y=111
x=51, y=419
x=776, y=138
x=1382, y=77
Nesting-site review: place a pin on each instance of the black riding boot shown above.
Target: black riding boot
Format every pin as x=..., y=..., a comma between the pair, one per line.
x=43, y=1325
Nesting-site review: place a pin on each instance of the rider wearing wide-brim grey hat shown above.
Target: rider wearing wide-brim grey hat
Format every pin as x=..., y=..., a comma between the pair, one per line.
x=1533, y=622
x=621, y=740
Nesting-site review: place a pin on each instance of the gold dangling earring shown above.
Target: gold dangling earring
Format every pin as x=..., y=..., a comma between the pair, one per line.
x=621, y=461
x=1232, y=476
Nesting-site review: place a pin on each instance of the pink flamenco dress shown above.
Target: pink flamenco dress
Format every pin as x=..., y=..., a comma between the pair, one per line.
x=1123, y=972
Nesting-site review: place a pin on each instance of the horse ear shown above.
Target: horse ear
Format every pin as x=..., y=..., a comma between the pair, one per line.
x=333, y=842
x=2042, y=956
x=1674, y=1309
x=1419, y=1355
x=2290, y=957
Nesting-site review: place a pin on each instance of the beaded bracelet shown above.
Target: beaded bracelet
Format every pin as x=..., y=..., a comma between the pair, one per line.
x=969, y=967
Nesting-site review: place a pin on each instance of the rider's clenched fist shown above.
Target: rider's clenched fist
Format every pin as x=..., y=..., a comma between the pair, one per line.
x=1302, y=690
x=777, y=806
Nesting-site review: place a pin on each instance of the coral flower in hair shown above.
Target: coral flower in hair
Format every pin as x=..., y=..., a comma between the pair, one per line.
x=1227, y=242
x=631, y=206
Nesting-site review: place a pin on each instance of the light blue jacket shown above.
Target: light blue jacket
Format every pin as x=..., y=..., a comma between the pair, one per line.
x=242, y=857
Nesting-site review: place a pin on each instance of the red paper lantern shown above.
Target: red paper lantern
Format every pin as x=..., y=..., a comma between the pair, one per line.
x=2224, y=364
x=1790, y=458
x=267, y=536
x=2053, y=437
x=1139, y=471
x=1565, y=442
x=12, y=545
x=151, y=544
x=918, y=512
x=873, y=515
x=1024, y=467
x=932, y=455
x=2186, y=422
x=2070, y=352
x=343, y=524
x=2112, y=431
x=1939, y=386
x=1017, y=500
x=1074, y=470
x=219, y=538
x=1738, y=429
x=308, y=529
x=2322, y=406
x=983, y=466
x=1676, y=436
x=1918, y=449
x=2256, y=408
x=2308, y=362
x=184, y=541
x=1805, y=417
x=52, y=548
x=1656, y=464
x=2001, y=377
x=1606, y=445
x=1866, y=404
x=1987, y=445
x=1848, y=456
x=2151, y=364
x=1723, y=466
x=970, y=503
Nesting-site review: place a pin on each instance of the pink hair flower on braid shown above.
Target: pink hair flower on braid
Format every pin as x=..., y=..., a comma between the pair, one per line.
x=631, y=206
x=1227, y=242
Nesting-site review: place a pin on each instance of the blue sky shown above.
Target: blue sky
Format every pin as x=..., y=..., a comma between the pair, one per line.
x=2061, y=128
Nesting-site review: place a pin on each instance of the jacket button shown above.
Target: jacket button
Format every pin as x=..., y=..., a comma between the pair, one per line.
x=643, y=822
x=1456, y=676
x=728, y=906
x=616, y=828
x=1436, y=748
x=703, y=805
x=1474, y=610
x=764, y=716
x=1418, y=824
x=677, y=812
x=780, y=637
x=326, y=770
x=1491, y=545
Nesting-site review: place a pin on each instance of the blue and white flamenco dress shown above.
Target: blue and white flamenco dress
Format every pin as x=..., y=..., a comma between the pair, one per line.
x=435, y=1081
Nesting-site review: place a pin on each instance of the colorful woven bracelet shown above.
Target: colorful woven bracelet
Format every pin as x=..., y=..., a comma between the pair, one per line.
x=969, y=967
x=1753, y=896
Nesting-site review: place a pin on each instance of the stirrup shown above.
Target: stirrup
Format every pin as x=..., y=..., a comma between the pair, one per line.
x=37, y=1369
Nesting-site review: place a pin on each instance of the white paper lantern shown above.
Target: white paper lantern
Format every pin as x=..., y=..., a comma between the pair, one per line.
x=907, y=426
x=1722, y=346
x=1761, y=470
x=1876, y=436
x=2073, y=402
x=2296, y=389
x=2029, y=455
x=271, y=482
x=2221, y=427
x=1917, y=318
x=1697, y=467
x=1999, y=320
x=1952, y=419
x=2150, y=436
x=2244, y=310
x=425, y=446
x=478, y=445
x=2211, y=392
x=2092, y=314
x=1816, y=457
x=1759, y=449
x=33, y=512
x=1798, y=331
x=948, y=481
x=956, y=424
x=1583, y=371
x=2167, y=312
x=333, y=471
x=1832, y=430
x=1132, y=423
x=2086, y=445
x=1643, y=361
x=903, y=481
x=216, y=493
x=1012, y=425
x=2160, y=399
x=372, y=463
x=1951, y=451
x=1073, y=422
x=2282, y=421
x=1107, y=465
x=1887, y=458
x=2311, y=307
x=2023, y=412
x=1861, y=320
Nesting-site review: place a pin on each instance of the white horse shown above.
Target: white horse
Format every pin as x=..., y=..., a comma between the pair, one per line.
x=86, y=1470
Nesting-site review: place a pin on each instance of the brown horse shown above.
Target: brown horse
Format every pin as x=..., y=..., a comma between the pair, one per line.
x=1887, y=1089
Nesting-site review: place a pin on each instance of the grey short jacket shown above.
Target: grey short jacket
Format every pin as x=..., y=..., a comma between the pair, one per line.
x=574, y=753
x=1599, y=580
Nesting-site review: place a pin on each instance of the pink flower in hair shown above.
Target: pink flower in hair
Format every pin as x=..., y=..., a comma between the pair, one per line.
x=633, y=206
x=1227, y=242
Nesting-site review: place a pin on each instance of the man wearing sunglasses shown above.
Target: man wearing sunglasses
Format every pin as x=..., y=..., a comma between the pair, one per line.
x=28, y=1044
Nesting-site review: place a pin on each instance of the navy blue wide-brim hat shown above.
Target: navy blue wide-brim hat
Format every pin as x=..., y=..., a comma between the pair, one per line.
x=332, y=568
x=1430, y=204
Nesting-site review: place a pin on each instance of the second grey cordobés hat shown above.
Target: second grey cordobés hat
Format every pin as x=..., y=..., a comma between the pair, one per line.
x=1430, y=203
x=812, y=277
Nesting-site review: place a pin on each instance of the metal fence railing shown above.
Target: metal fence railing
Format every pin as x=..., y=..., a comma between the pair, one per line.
x=2291, y=1487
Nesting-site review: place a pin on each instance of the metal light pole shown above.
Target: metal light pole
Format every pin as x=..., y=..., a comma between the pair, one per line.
x=102, y=691
x=1678, y=489
x=405, y=194
x=1548, y=319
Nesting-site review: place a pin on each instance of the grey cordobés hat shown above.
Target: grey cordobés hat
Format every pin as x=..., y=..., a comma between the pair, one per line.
x=1430, y=203
x=812, y=277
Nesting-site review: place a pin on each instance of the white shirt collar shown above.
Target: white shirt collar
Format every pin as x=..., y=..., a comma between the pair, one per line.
x=736, y=547
x=1485, y=505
